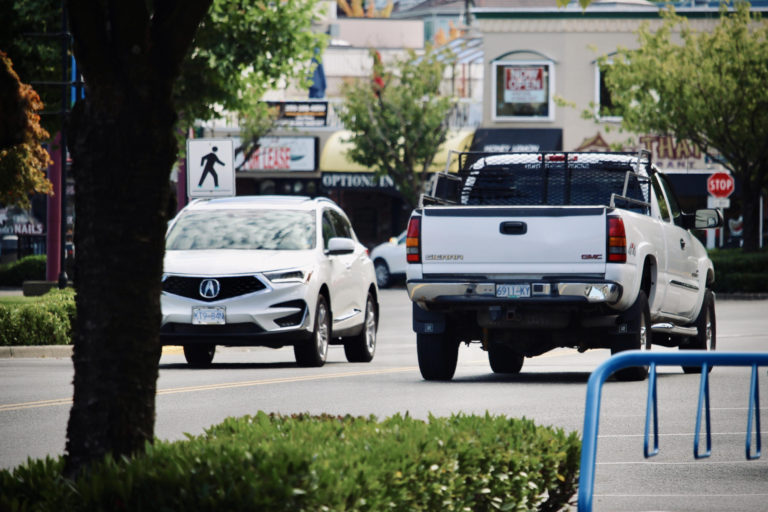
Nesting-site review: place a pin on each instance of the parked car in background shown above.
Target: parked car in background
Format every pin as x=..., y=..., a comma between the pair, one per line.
x=268, y=271
x=389, y=260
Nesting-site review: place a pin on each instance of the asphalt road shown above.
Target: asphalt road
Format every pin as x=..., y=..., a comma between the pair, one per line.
x=36, y=393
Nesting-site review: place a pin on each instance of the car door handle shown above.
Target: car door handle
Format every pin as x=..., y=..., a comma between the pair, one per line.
x=682, y=244
x=513, y=228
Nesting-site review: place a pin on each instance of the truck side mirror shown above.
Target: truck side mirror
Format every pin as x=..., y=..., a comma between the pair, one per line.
x=708, y=218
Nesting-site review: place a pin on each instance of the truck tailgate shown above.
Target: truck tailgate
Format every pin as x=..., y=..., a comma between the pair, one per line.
x=504, y=240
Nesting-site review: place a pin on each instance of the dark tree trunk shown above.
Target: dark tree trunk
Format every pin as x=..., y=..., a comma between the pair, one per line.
x=122, y=153
x=123, y=146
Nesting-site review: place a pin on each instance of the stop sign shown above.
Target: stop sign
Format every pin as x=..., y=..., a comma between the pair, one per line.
x=720, y=184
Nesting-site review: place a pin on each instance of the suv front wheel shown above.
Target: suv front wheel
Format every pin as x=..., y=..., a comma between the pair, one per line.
x=314, y=352
x=360, y=348
x=199, y=355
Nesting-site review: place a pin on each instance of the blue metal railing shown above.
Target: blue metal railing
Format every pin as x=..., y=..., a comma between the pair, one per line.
x=653, y=359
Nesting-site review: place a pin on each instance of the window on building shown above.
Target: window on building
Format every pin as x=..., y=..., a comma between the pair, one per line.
x=604, y=106
x=523, y=90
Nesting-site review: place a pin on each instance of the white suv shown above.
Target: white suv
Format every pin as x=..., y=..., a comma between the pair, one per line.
x=267, y=271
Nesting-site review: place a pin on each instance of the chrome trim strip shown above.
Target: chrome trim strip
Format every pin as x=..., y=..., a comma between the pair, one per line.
x=684, y=285
x=669, y=328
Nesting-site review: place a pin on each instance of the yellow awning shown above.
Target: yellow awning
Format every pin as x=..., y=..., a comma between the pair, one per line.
x=333, y=158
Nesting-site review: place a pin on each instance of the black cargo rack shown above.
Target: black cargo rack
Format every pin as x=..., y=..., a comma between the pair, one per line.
x=545, y=178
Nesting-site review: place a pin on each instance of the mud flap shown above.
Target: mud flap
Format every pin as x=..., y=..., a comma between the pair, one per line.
x=427, y=322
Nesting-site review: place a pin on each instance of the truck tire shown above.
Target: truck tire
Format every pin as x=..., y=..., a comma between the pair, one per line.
x=639, y=337
x=438, y=354
x=706, y=331
x=504, y=359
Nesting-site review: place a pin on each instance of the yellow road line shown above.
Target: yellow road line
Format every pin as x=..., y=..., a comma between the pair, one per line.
x=226, y=385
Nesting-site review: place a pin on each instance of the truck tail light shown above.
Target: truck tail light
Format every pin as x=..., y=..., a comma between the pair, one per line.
x=413, y=241
x=617, y=241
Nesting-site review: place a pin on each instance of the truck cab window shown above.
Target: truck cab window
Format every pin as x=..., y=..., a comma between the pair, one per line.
x=663, y=208
x=674, y=207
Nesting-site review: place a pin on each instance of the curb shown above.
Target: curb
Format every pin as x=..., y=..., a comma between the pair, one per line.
x=57, y=351
x=742, y=296
x=53, y=351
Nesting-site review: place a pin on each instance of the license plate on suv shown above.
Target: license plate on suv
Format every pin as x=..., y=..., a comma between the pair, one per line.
x=209, y=316
x=513, y=291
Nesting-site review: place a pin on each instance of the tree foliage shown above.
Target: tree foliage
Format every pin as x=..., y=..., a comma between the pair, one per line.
x=243, y=49
x=22, y=158
x=706, y=87
x=398, y=119
x=27, y=37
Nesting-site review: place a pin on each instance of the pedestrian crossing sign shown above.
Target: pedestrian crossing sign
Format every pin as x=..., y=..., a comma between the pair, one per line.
x=210, y=168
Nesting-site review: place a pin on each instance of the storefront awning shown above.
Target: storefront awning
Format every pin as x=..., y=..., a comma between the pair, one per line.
x=334, y=155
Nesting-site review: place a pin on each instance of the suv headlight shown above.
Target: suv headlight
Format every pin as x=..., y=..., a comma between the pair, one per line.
x=293, y=275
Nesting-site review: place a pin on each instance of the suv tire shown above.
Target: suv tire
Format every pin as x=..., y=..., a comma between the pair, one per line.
x=314, y=352
x=199, y=355
x=360, y=348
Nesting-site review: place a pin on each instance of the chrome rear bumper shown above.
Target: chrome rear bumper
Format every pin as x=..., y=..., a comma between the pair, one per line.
x=596, y=292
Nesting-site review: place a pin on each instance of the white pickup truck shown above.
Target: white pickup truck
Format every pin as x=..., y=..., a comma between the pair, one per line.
x=527, y=252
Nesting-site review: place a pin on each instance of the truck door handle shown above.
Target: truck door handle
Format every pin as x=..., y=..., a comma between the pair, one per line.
x=682, y=244
x=513, y=228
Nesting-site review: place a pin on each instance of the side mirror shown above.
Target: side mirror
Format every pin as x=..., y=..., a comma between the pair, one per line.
x=340, y=246
x=708, y=219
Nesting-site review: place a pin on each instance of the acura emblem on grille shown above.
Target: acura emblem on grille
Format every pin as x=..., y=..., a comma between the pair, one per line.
x=209, y=288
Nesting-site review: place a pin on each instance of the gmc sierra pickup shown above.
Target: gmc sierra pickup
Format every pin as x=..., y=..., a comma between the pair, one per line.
x=527, y=252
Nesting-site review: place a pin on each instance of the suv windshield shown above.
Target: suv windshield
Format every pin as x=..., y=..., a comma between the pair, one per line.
x=277, y=230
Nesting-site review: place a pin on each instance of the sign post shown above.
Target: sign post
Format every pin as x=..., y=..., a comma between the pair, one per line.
x=210, y=168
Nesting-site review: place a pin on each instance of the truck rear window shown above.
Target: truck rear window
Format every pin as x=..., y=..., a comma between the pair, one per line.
x=521, y=180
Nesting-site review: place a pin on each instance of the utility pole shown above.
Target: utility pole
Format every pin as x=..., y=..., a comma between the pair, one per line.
x=58, y=219
x=64, y=111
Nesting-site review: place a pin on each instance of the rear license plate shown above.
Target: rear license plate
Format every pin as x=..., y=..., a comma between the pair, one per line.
x=209, y=316
x=513, y=291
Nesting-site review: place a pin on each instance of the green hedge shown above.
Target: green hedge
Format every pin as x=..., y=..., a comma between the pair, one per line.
x=47, y=320
x=312, y=463
x=740, y=272
x=28, y=268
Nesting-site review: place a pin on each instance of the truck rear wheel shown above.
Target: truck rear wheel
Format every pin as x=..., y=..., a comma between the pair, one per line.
x=438, y=354
x=706, y=330
x=639, y=337
x=504, y=359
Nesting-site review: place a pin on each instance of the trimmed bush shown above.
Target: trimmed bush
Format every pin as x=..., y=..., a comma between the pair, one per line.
x=28, y=268
x=313, y=463
x=46, y=321
x=740, y=272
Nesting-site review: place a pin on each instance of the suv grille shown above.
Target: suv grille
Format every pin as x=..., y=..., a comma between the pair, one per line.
x=189, y=287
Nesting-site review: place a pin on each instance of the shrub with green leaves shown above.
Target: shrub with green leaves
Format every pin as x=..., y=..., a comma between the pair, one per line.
x=312, y=463
x=737, y=271
x=28, y=268
x=47, y=320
